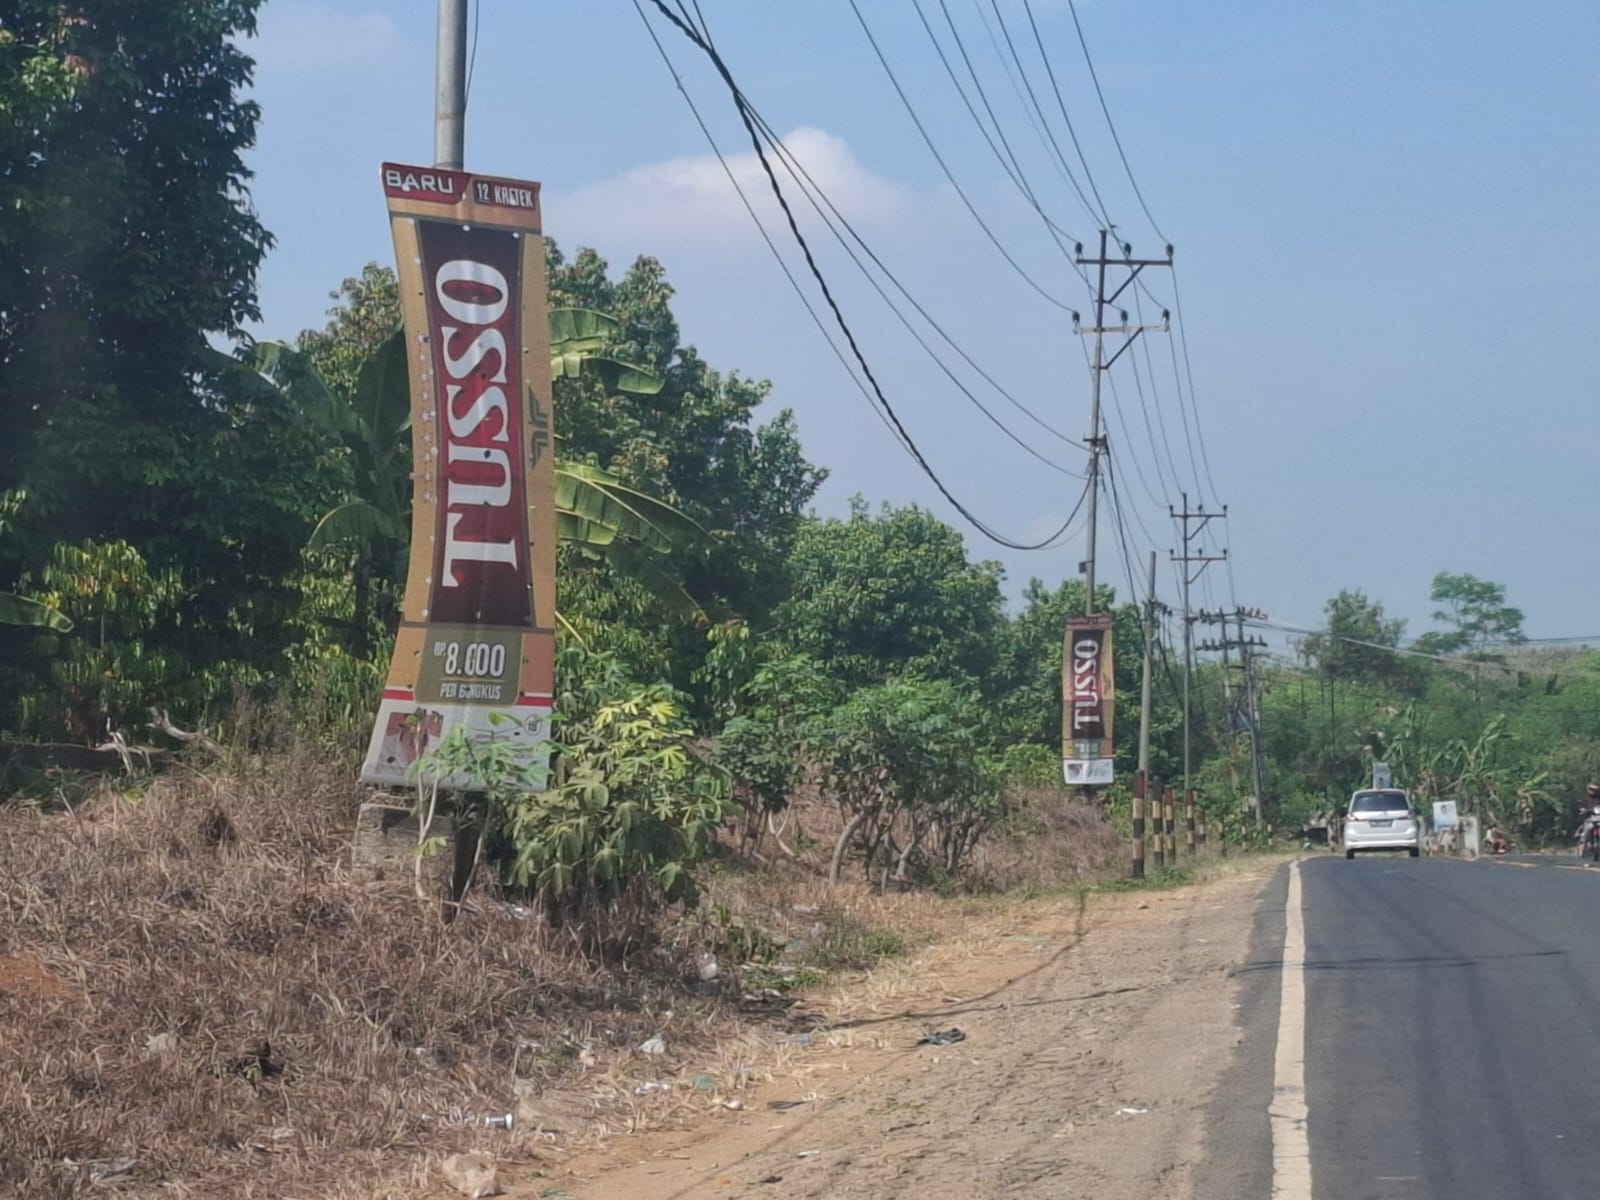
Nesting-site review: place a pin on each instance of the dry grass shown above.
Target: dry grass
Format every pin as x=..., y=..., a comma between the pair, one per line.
x=318, y=1036
x=319, y=1029
x=1049, y=842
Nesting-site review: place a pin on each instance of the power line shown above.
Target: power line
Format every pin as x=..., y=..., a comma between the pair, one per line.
x=1013, y=168
x=760, y=226
x=1161, y=419
x=1110, y=124
x=813, y=192
x=1062, y=104
x=949, y=175
x=794, y=229
x=1033, y=99
x=1122, y=422
x=1183, y=341
x=472, y=60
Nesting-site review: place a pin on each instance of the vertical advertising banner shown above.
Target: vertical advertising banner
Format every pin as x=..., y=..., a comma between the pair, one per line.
x=1088, y=699
x=476, y=645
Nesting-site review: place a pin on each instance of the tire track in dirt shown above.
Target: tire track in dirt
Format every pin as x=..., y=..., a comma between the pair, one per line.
x=1085, y=1074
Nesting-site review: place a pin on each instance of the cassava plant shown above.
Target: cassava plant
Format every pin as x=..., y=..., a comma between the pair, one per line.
x=629, y=812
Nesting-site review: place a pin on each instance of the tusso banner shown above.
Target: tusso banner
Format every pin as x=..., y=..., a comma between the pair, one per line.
x=1088, y=699
x=476, y=645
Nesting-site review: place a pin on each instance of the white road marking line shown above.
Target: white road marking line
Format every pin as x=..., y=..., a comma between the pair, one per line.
x=1291, y=1150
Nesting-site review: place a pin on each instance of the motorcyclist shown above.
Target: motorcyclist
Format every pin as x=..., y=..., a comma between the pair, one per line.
x=1591, y=813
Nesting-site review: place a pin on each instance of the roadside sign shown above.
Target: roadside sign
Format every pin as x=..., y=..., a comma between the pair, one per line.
x=1445, y=815
x=1382, y=778
x=1088, y=701
x=476, y=646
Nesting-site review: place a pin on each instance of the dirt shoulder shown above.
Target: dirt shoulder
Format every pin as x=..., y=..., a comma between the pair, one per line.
x=1095, y=1030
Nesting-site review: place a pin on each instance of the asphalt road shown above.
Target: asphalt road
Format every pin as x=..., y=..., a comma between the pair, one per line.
x=1451, y=1034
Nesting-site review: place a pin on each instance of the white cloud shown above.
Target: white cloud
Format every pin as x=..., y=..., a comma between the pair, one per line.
x=298, y=35
x=692, y=198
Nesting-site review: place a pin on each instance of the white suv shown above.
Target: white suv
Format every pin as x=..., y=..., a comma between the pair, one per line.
x=1382, y=819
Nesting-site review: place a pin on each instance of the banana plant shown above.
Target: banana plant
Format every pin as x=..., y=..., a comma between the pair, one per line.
x=19, y=610
x=577, y=337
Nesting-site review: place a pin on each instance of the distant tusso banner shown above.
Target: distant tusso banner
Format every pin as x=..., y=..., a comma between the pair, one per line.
x=476, y=645
x=1088, y=701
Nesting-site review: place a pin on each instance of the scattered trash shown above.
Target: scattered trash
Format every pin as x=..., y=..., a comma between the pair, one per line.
x=101, y=1170
x=805, y=910
x=515, y=911
x=651, y=1089
x=807, y=1153
x=735, y=1105
x=1132, y=1111
x=473, y=1175
x=703, y=1083
x=709, y=970
x=456, y=1119
x=803, y=1040
x=586, y=1057
x=783, y=1105
x=161, y=1044
x=943, y=1037
x=655, y=1046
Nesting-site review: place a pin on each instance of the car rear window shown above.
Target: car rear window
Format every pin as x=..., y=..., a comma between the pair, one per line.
x=1374, y=802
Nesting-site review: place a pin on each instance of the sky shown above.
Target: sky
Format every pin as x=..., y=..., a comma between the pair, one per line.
x=1383, y=218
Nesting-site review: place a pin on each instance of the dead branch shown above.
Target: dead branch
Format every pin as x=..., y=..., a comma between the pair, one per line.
x=159, y=720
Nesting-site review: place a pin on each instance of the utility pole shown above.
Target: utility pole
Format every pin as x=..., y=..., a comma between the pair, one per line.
x=1193, y=565
x=1248, y=692
x=1141, y=783
x=1100, y=364
x=450, y=87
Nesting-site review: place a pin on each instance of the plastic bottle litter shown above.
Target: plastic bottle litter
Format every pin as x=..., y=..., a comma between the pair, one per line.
x=943, y=1037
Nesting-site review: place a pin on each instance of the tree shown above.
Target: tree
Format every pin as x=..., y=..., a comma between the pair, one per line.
x=1358, y=644
x=107, y=286
x=1023, y=689
x=636, y=412
x=891, y=595
x=1477, y=613
x=907, y=756
x=696, y=444
x=128, y=239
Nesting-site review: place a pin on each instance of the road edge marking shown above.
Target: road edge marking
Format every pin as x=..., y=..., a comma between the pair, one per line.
x=1288, y=1114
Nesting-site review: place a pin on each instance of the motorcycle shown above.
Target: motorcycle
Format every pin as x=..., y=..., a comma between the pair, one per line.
x=1589, y=850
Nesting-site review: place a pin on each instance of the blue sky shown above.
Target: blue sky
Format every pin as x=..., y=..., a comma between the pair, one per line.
x=1384, y=217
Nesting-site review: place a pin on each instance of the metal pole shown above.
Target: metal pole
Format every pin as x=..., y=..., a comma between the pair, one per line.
x=1094, y=422
x=1253, y=696
x=450, y=92
x=1141, y=786
x=1188, y=644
